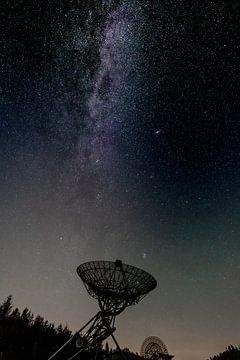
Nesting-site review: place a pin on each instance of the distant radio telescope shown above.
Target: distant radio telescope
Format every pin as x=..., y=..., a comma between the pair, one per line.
x=154, y=348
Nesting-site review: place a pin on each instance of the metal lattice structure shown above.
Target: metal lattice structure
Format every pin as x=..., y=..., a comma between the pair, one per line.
x=153, y=348
x=115, y=285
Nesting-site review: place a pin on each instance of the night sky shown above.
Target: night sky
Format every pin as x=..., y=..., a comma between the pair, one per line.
x=119, y=139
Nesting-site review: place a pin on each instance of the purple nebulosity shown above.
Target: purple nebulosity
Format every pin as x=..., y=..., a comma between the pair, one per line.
x=108, y=89
x=95, y=170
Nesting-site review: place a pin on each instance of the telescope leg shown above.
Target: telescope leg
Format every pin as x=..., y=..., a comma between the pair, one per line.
x=100, y=330
x=73, y=337
x=92, y=333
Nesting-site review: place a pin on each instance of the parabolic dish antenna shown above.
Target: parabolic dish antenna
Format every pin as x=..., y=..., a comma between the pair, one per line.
x=114, y=284
x=154, y=348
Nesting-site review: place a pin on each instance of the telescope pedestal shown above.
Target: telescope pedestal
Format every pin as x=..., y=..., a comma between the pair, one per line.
x=89, y=337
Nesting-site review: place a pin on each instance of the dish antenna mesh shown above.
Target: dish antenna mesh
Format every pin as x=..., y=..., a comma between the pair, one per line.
x=153, y=348
x=115, y=285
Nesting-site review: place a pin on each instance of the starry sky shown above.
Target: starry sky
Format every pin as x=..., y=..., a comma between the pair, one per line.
x=119, y=138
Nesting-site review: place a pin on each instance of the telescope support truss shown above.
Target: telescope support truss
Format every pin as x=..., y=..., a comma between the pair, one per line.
x=89, y=337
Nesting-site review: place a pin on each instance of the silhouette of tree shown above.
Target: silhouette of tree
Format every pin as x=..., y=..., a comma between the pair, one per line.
x=23, y=337
x=107, y=348
x=5, y=308
x=230, y=353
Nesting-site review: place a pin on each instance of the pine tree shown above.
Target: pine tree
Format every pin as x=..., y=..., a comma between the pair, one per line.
x=6, y=307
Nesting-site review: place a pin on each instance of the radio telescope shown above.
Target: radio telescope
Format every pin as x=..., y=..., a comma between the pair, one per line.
x=154, y=348
x=115, y=285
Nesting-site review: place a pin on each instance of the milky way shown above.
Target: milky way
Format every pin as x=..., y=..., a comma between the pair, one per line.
x=98, y=154
x=120, y=139
x=108, y=88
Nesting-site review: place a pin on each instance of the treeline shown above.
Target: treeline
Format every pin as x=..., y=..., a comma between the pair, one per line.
x=25, y=337
x=231, y=353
